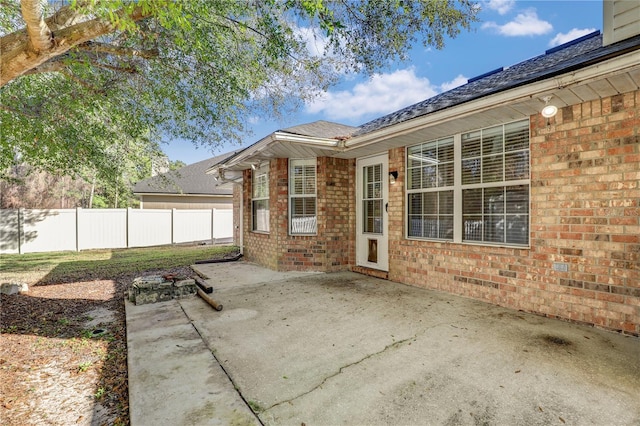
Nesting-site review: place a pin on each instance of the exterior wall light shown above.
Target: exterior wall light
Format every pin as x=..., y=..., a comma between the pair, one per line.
x=549, y=110
x=393, y=176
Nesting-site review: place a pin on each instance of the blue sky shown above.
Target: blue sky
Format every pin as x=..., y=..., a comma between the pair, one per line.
x=508, y=32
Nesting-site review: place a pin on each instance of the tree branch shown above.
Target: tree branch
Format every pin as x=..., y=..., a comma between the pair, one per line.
x=128, y=70
x=91, y=46
x=40, y=37
x=81, y=82
x=21, y=59
x=51, y=66
x=63, y=18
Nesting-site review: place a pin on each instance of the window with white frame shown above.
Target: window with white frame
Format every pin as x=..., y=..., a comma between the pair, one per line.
x=471, y=187
x=302, y=197
x=430, y=181
x=260, y=199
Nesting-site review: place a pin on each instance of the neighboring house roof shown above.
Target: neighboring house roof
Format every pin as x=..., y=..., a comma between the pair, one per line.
x=188, y=180
x=575, y=54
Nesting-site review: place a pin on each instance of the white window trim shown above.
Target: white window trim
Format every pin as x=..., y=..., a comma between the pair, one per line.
x=303, y=162
x=432, y=189
x=260, y=171
x=457, y=196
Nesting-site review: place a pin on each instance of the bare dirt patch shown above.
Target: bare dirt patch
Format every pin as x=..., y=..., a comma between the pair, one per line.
x=55, y=369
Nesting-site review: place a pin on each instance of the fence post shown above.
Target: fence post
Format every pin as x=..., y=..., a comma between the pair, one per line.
x=128, y=223
x=78, y=228
x=213, y=226
x=20, y=230
x=173, y=226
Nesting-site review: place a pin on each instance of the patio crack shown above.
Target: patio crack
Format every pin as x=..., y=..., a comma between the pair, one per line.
x=326, y=379
x=224, y=370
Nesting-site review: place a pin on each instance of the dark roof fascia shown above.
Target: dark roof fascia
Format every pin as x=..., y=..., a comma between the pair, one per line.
x=234, y=156
x=575, y=66
x=577, y=62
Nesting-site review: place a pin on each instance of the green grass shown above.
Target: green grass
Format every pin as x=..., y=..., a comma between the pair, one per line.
x=61, y=267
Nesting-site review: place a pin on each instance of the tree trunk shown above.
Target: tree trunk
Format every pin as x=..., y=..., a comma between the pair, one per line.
x=28, y=53
x=40, y=37
x=93, y=188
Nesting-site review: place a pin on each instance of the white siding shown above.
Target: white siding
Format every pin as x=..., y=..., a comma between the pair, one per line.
x=621, y=20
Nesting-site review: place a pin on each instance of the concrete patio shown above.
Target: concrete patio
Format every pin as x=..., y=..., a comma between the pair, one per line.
x=347, y=349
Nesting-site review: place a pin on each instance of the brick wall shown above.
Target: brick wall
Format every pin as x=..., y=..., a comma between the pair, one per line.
x=585, y=174
x=332, y=249
x=260, y=247
x=336, y=204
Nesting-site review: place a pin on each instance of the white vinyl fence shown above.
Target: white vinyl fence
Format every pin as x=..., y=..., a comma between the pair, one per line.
x=29, y=231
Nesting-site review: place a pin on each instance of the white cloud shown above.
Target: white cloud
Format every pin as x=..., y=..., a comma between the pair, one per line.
x=575, y=33
x=458, y=81
x=526, y=23
x=382, y=94
x=500, y=6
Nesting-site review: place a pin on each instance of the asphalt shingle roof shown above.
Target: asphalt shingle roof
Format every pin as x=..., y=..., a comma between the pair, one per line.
x=573, y=55
x=317, y=129
x=191, y=179
x=321, y=129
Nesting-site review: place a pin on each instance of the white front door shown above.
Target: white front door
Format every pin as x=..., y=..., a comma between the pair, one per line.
x=372, y=224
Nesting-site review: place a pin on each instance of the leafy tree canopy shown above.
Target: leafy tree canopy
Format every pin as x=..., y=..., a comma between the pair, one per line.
x=84, y=82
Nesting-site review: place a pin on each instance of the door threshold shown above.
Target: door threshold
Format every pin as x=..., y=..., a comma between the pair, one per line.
x=371, y=272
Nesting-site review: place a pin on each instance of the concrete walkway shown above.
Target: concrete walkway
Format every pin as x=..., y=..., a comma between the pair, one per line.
x=346, y=349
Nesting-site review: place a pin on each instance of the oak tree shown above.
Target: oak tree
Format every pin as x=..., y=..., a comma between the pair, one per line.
x=80, y=80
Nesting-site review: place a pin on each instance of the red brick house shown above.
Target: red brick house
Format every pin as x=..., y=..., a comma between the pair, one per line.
x=473, y=192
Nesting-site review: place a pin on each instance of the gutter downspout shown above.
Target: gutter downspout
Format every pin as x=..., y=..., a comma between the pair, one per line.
x=222, y=179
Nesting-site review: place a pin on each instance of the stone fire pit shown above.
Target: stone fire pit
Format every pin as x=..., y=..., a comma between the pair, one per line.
x=158, y=288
